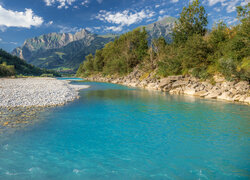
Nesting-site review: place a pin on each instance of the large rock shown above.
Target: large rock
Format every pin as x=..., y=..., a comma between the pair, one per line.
x=164, y=82
x=175, y=78
x=189, y=91
x=213, y=95
x=226, y=96
x=247, y=100
x=201, y=93
x=179, y=83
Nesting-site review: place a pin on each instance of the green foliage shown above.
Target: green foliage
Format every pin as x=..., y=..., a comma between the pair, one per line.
x=12, y=65
x=193, y=20
x=118, y=57
x=6, y=70
x=224, y=50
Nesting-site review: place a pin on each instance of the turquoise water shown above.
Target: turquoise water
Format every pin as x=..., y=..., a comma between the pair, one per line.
x=114, y=132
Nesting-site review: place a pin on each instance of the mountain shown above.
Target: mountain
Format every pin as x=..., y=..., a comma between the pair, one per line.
x=65, y=51
x=61, y=51
x=160, y=28
x=12, y=65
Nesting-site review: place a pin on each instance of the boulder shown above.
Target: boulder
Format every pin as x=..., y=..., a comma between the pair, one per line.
x=247, y=100
x=175, y=91
x=226, y=96
x=164, y=82
x=201, y=93
x=179, y=83
x=189, y=91
x=175, y=78
x=213, y=95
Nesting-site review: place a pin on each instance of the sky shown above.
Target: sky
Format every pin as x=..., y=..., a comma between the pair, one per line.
x=23, y=19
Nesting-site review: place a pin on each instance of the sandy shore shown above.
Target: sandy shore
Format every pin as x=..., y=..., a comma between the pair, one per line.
x=36, y=92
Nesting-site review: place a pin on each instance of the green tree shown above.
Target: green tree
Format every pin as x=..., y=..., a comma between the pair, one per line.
x=193, y=20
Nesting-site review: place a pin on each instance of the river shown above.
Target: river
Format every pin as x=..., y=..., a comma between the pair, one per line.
x=116, y=132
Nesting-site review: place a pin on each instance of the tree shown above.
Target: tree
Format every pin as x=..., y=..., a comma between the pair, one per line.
x=193, y=20
x=98, y=61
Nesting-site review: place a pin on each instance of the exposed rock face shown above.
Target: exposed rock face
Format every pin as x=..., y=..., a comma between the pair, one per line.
x=223, y=90
x=160, y=28
x=60, y=50
x=66, y=51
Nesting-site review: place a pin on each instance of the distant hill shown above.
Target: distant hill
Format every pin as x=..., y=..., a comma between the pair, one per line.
x=12, y=65
x=61, y=51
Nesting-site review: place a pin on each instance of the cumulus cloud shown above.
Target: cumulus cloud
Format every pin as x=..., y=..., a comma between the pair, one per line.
x=26, y=19
x=174, y=1
x=85, y=3
x=61, y=3
x=114, y=28
x=229, y=4
x=124, y=18
x=162, y=11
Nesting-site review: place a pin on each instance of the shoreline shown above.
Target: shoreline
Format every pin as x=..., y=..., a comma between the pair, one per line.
x=37, y=92
x=230, y=91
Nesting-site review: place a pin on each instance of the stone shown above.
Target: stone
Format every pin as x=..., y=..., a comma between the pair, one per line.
x=226, y=96
x=175, y=78
x=201, y=93
x=164, y=82
x=247, y=100
x=179, y=83
x=189, y=91
x=213, y=95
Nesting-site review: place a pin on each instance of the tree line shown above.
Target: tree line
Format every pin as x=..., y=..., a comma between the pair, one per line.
x=12, y=66
x=194, y=49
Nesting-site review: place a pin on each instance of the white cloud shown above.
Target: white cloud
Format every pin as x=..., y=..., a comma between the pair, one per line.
x=1, y=39
x=124, y=18
x=231, y=6
x=66, y=29
x=174, y=1
x=162, y=11
x=114, y=28
x=61, y=3
x=213, y=2
x=217, y=9
x=99, y=1
x=85, y=3
x=157, y=5
x=244, y=3
x=26, y=19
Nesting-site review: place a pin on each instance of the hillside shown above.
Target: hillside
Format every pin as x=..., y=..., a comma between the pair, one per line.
x=60, y=51
x=65, y=51
x=11, y=65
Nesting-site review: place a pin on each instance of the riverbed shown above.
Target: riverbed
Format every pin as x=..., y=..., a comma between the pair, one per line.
x=116, y=132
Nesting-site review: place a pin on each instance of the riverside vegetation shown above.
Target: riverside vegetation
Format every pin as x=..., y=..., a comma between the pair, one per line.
x=13, y=66
x=219, y=58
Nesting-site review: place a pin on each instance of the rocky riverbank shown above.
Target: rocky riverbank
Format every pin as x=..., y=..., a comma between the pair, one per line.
x=36, y=92
x=220, y=88
x=22, y=99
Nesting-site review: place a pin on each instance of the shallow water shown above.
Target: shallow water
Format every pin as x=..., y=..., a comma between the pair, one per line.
x=114, y=132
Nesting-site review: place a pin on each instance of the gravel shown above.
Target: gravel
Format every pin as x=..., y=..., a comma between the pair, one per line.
x=37, y=92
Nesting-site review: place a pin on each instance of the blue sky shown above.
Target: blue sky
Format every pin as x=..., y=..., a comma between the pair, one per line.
x=22, y=19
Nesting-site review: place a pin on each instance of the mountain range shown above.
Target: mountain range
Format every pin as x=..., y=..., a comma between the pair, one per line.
x=65, y=51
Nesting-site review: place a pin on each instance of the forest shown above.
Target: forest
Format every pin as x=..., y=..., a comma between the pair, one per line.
x=194, y=50
x=13, y=66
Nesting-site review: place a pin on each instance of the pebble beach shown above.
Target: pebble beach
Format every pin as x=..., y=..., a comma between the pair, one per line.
x=37, y=92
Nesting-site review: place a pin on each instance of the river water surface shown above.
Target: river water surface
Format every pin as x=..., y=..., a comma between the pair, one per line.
x=115, y=132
